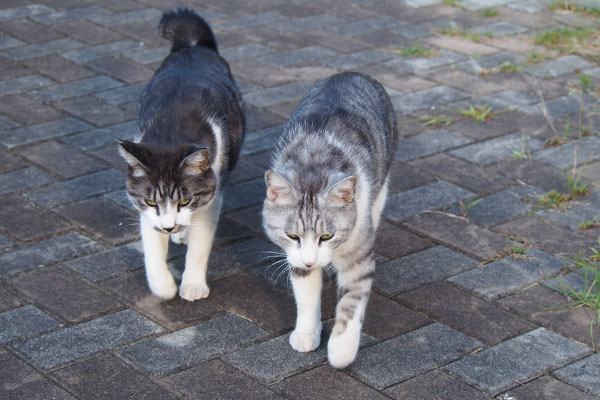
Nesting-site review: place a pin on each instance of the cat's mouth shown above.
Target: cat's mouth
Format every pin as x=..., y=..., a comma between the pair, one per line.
x=176, y=229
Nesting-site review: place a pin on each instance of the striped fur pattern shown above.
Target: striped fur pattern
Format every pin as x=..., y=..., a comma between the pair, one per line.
x=191, y=126
x=325, y=194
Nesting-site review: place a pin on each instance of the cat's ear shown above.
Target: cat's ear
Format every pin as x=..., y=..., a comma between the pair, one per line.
x=132, y=153
x=196, y=163
x=279, y=189
x=342, y=192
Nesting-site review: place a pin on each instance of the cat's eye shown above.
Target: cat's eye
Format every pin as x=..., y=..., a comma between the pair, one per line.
x=325, y=237
x=184, y=202
x=293, y=236
x=151, y=203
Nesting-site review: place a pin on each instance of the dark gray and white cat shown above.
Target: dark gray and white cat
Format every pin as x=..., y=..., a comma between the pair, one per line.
x=325, y=194
x=191, y=126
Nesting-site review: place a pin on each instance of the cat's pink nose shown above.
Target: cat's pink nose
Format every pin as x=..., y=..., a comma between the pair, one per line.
x=309, y=264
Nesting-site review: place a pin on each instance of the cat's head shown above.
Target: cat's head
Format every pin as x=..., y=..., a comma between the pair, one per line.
x=309, y=224
x=168, y=186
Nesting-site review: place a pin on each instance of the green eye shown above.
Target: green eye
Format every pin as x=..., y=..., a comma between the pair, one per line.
x=184, y=202
x=294, y=236
x=151, y=203
x=325, y=237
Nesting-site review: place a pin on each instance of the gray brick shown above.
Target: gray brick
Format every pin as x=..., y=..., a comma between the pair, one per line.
x=78, y=188
x=277, y=94
x=244, y=51
x=368, y=25
x=124, y=94
x=508, y=99
x=584, y=150
x=306, y=23
x=358, y=59
x=509, y=274
x=24, y=12
x=95, y=138
x=583, y=374
x=120, y=198
x=429, y=197
x=594, y=72
x=41, y=49
x=5, y=242
x=242, y=255
x=428, y=143
x=247, y=21
x=90, y=337
x=72, y=14
x=486, y=63
x=481, y=4
x=91, y=53
x=424, y=29
x=559, y=66
x=427, y=98
x=418, y=64
x=576, y=281
x=46, y=252
x=194, y=344
x=421, y=3
x=107, y=263
x=148, y=55
x=497, y=149
x=296, y=56
x=151, y=15
x=411, y=354
x=523, y=358
x=563, y=106
x=500, y=28
x=23, y=322
x=23, y=179
x=42, y=131
x=571, y=217
x=24, y=84
x=529, y=6
x=75, y=89
x=417, y=269
x=6, y=123
x=502, y=206
x=6, y=42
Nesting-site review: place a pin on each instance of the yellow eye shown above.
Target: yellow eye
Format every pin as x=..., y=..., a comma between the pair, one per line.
x=325, y=237
x=184, y=202
x=294, y=236
x=151, y=203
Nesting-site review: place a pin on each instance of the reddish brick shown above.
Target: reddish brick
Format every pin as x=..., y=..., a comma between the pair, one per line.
x=88, y=32
x=59, y=68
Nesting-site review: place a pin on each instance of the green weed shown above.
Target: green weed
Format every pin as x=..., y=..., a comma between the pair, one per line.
x=488, y=12
x=479, y=112
x=440, y=119
x=415, y=50
x=587, y=225
x=466, y=207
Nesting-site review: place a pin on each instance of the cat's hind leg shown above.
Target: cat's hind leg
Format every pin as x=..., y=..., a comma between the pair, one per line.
x=156, y=246
x=307, y=287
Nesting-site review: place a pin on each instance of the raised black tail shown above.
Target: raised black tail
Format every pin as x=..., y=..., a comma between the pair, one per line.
x=184, y=28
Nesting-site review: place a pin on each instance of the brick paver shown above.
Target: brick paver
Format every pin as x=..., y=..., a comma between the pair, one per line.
x=456, y=311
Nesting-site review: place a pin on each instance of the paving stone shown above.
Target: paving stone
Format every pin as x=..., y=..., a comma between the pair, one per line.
x=58, y=68
x=148, y=55
x=393, y=242
x=95, y=138
x=23, y=322
x=8, y=300
x=489, y=62
x=24, y=11
x=77, y=188
x=9, y=41
x=93, y=110
x=435, y=385
x=461, y=45
x=277, y=94
x=296, y=56
x=419, y=64
x=109, y=377
x=498, y=149
x=453, y=232
x=28, y=31
x=421, y=3
x=23, y=84
x=47, y=130
x=404, y=177
x=151, y=15
x=411, y=354
x=23, y=179
x=428, y=143
x=121, y=95
x=357, y=59
x=461, y=173
x=9, y=162
x=417, y=269
x=12, y=69
x=41, y=49
x=577, y=152
x=572, y=217
x=48, y=287
x=430, y=197
x=546, y=388
x=243, y=255
x=501, y=367
x=507, y=99
x=87, y=32
x=427, y=98
x=208, y=380
x=21, y=381
x=470, y=315
x=109, y=262
x=325, y=383
x=368, y=25
x=559, y=66
x=193, y=344
x=5, y=242
x=244, y=194
x=509, y=274
x=529, y=6
x=500, y=29
x=25, y=110
x=75, y=89
x=26, y=222
x=91, y=53
x=122, y=69
x=534, y=173
x=501, y=206
x=246, y=21
x=59, y=347
x=264, y=139
x=306, y=23
x=424, y=29
x=583, y=374
x=45, y=252
x=549, y=308
x=70, y=15
x=244, y=51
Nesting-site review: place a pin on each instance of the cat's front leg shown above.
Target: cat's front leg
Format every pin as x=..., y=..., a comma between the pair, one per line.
x=354, y=282
x=156, y=246
x=307, y=287
x=199, y=241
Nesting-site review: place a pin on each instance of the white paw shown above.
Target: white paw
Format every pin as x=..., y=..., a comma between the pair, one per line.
x=342, y=349
x=163, y=286
x=180, y=237
x=303, y=342
x=193, y=291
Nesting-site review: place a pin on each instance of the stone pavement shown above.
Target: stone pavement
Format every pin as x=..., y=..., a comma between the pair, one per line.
x=457, y=311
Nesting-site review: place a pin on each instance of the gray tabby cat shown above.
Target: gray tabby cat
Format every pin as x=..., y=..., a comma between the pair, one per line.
x=325, y=194
x=191, y=126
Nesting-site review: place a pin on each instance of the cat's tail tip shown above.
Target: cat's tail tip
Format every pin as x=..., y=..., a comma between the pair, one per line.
x=184, y=28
